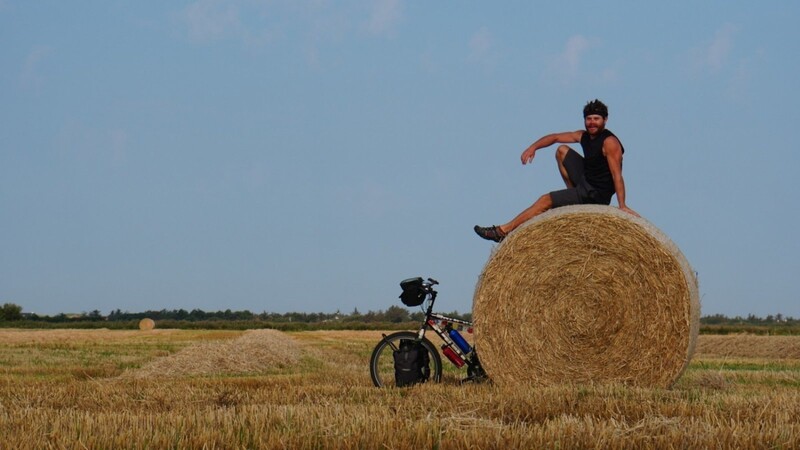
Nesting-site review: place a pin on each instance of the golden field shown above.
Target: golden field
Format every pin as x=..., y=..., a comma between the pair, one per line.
x=265, y=389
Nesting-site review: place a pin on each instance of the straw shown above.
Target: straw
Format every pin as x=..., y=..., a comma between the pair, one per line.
x=586, y=294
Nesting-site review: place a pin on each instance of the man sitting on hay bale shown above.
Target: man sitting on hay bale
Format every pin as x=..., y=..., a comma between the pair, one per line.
x=592, y=178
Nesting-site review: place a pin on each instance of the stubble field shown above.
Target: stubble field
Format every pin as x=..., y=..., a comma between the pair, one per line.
x=266, y=389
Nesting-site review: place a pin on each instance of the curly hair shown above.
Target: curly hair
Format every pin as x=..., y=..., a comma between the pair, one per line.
x=595, y=107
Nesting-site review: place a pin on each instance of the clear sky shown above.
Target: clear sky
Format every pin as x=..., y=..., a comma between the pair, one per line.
x=308, y=155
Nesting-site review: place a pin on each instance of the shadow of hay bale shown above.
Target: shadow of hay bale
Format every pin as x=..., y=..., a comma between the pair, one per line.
x=586, y=293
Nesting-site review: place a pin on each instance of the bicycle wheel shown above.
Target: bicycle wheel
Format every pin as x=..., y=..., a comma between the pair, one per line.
x=381, y=364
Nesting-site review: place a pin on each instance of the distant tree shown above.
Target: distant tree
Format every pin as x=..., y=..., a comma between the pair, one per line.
x=372, y=316
x=715, y=319
x=197, y=314
x=354, y=316
x=396, y=314
x=242, y=315
x=11, y=312
x=418, y=316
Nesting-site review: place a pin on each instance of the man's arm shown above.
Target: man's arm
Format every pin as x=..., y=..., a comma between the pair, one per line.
x=546, y=141
x=612, y=150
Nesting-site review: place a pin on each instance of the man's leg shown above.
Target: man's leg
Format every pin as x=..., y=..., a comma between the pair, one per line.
x=561, y=154
x=570, y=164
x=498, y=232
x=541, y=205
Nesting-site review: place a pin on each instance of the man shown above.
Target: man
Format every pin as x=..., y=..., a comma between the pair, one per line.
x=593, y=178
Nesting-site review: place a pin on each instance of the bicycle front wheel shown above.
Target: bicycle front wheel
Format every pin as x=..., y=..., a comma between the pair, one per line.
x=381, y=364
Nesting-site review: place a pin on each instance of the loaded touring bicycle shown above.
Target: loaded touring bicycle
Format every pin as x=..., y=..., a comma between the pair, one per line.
x=406, y=358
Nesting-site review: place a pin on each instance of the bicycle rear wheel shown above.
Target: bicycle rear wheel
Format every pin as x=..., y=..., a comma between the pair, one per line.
x=381, y=364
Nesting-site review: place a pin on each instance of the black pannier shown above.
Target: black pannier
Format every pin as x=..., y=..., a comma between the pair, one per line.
x=413, y=292
x=411, y=363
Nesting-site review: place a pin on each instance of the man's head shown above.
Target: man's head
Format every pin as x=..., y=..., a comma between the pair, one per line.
x=595, y=114
x=595, y=107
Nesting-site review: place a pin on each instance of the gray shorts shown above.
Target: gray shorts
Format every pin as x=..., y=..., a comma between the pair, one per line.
x=583, y=192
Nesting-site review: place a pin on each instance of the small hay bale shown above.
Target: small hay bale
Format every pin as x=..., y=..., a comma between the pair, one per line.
x=585, y=294
x=147, y=324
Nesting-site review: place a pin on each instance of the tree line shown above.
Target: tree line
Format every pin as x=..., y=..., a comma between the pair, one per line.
x=751, y=319
x=10, y=312
x=394, y=314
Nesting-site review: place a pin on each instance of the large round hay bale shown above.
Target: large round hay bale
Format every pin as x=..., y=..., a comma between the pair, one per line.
x=147, y=324
x=583, y=294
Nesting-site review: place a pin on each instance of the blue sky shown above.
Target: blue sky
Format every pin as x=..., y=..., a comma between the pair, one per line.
x=308, y=155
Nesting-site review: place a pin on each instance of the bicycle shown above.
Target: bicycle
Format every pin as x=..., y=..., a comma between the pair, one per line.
x=417, y=292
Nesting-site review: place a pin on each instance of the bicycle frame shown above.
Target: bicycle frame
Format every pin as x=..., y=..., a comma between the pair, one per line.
x=433, y=321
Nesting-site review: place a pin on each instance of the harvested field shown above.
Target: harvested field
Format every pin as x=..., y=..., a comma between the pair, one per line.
x=26, y=337
x=772, y=347
x=256, y=351
x=326, y=400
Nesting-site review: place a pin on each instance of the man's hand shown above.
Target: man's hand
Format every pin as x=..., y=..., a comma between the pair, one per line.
x=566, y=137
x=629, y=211
x=528, y=154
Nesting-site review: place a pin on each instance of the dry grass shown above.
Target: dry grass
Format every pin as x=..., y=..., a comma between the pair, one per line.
x=256, y=351
x=326, y=401
x=773, y=347
x=586, y=294
x=25, y=337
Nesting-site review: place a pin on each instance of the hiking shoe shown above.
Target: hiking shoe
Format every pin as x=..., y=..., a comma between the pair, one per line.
x=491, y=233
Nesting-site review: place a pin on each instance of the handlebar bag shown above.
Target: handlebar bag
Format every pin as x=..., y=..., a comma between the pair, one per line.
x=413, y=292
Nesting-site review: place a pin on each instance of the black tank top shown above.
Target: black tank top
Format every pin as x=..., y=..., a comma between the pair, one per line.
x=596, y=168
